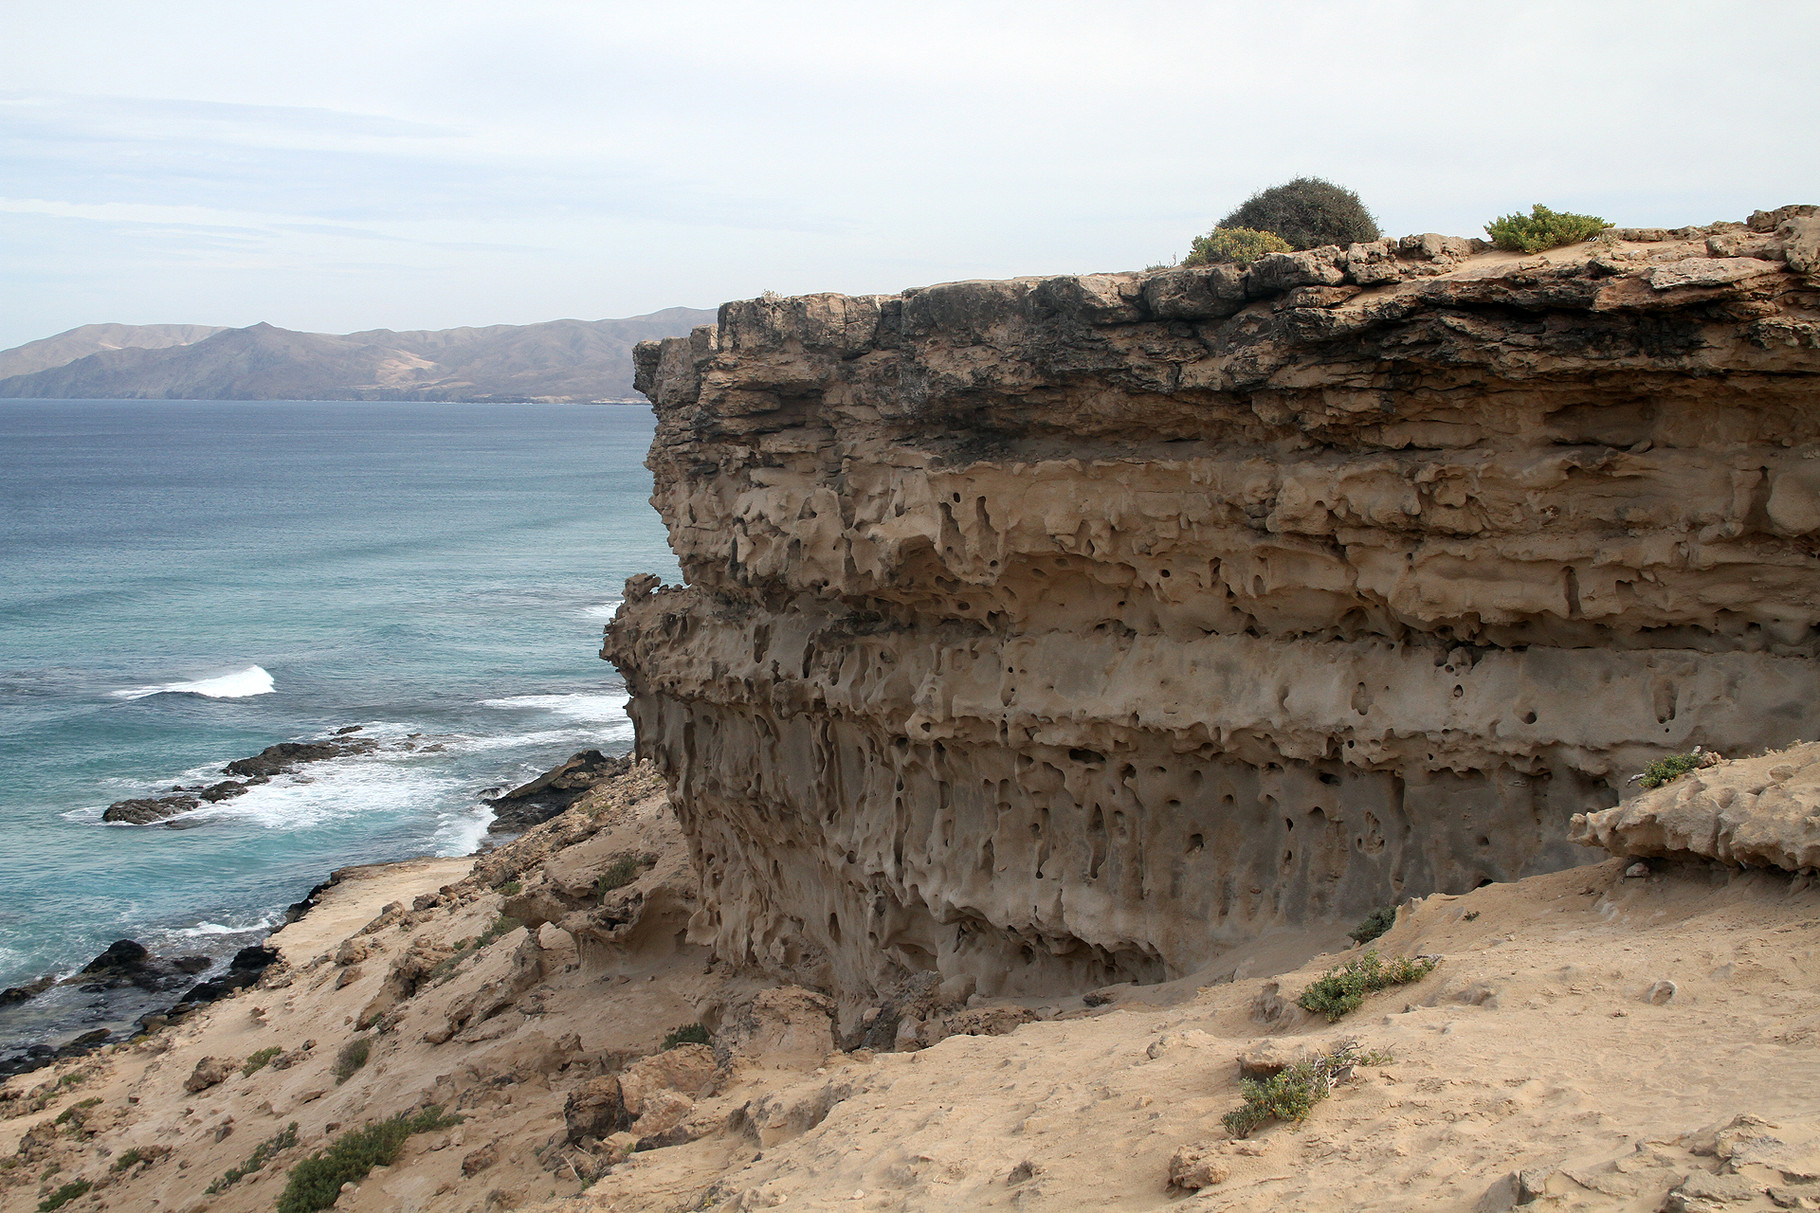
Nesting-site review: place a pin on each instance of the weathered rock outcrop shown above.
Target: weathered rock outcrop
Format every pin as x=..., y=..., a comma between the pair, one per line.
x=1761, y=812
x=1056, y=632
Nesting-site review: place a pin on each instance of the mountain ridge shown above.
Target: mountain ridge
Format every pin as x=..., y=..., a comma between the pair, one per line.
x=556, y=361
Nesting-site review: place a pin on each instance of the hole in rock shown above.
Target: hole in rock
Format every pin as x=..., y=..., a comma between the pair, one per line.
x=1079, y=755
x=1529, y=718
x=1330, y=779
x=1195, y=843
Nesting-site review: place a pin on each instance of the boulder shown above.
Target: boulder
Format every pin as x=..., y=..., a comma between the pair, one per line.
x=784, y=1028
x=1274, y=273
x=1199, y=292
x=1800, y=238
x=1756, y=812
x=1197, y=1166
x=686, y=1068
x=209, y=1072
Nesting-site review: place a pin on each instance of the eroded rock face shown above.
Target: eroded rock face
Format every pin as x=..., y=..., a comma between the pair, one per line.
x=1054, y=632
x=1759, y=812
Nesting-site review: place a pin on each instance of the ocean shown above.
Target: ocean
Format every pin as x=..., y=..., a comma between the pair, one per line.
x=183, y=583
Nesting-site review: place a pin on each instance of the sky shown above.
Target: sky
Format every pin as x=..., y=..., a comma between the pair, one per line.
x=338, y=166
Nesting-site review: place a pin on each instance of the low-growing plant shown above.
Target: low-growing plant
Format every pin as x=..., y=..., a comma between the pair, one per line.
x=512, y=888
x=1234, y=246
x=1673, y=766
x=353, y=1055
x=1291, y=1094
x=687, y=1034
x=128, y=1158
x=1542, y=229
x=252, y=1065
x=1374, y=924
x=502, y=925
x=262, y=1153
x=75, y=1110
x=1340, y=991
x=62, y=1196
x=316, y=1181
x=622, y=871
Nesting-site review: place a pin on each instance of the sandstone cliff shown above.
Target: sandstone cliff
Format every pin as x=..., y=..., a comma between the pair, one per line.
x=1055, y=632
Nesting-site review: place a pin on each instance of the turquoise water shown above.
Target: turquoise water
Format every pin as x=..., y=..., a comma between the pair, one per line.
x=184, y=583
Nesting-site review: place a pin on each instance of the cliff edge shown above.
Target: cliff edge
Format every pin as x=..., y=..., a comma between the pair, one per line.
x=1056, y=632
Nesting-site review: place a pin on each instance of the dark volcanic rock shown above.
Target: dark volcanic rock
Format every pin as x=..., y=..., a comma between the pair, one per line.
x=553, y=791
x=31, y=989
x=123, y=955
x=146, y=810
x=288, y=755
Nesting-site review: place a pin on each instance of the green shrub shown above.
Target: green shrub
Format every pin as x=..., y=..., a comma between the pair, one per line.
x=512, y=888
x=257, y=1061
x=1340, y=991
x=1673, y=766
x=503, y=925
x=622, y=871
x=62, y=1196
x=353, y=1055
x=75, y=1110
x=315, y=1182
x=1291, y=1094
x=127, y=1159
x=1308, y=212
x=1234, y=246
x=1374, y=924
x=262, y=1153
x=1542, y=229
x=687, y=1034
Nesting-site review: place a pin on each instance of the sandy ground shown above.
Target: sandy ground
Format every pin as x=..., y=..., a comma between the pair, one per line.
x=1546, y=1045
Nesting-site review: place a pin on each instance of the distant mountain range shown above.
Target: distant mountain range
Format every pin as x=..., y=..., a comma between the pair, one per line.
x=558, y=361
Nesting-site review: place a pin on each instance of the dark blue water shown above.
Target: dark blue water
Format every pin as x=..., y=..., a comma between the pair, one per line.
x=436, y=573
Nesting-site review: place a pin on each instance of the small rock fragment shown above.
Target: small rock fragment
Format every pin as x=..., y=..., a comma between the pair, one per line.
x=1196, y=1166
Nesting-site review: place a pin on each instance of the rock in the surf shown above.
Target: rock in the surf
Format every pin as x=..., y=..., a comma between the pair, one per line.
x=288, y=755
x=148, y=809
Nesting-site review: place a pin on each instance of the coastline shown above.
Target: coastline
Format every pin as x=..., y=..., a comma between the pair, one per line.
x=125, y=1016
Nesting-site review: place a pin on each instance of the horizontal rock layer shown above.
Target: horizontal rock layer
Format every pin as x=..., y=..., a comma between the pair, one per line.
x=1058, y=631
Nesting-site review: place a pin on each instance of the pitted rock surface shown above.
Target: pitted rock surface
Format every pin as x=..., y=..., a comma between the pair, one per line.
x=1061, y=632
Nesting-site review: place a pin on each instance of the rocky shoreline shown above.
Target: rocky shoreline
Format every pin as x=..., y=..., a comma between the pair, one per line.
x=126, y=972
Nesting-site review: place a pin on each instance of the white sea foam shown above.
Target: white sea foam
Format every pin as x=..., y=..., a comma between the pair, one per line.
x=385, y=783
x=597, y=708
x=603, y=610
x=239, y=685
x=203, y=929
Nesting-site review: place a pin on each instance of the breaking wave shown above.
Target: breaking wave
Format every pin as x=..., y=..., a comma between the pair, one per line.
x=239, y=685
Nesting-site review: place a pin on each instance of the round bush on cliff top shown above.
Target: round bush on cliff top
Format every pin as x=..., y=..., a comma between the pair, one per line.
x=1308, y=212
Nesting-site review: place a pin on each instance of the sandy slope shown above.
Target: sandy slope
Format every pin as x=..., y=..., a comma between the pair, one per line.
x=1535, y=1047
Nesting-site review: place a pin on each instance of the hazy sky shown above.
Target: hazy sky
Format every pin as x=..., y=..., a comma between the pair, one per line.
x=336, y=166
